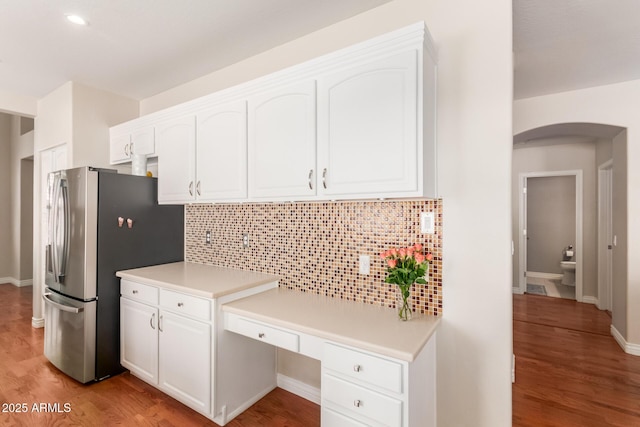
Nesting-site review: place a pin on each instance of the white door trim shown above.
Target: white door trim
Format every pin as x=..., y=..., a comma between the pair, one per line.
x=522, y=222
x=605, y=233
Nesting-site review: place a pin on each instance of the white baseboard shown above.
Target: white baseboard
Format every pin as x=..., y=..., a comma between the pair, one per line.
x=541, y=275
x=517, y=290
x=590, y=300
x=37, y=322
x=299, y=388
x=633, y=349
x=16, y=282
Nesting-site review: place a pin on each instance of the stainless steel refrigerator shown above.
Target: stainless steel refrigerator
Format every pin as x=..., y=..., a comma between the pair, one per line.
x=99, y=222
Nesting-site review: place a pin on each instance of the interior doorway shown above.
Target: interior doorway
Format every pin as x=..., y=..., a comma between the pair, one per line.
x=543, y=223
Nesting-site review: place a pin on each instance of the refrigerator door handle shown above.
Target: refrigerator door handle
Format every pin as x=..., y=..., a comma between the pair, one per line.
x=59, y=306
x=62, y=268
x=54, y=224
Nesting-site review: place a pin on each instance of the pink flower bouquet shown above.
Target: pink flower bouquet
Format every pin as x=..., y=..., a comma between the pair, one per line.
x=406, y=266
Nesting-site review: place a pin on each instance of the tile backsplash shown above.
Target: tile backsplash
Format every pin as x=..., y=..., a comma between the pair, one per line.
x=315, y=247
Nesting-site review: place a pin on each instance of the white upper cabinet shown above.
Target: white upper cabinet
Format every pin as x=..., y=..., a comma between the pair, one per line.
x=176, y=140
x=221, y=153
x=124, y=145
x=282, y=142
x=120, y=149
x=358, y=123
x=367, y=128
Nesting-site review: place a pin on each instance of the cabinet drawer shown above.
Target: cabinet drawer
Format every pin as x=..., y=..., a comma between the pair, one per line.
x=331, y=418
x=185, y=304
x=262, y=332
x=361, y=402
x=138, y=291
x=364, y=367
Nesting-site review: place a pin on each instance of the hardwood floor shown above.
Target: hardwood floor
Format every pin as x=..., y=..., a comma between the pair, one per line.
x=29, y=382
x=569, y=369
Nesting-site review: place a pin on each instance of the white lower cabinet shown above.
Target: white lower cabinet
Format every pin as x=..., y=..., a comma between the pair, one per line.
x=358, y=387
x=363, y=387
x=176, y=342
x=168, y=350
x=184, y=360
x=336, y=419
x=139, y=339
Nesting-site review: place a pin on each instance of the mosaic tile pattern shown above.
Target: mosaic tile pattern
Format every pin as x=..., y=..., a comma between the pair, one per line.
x=315, y=247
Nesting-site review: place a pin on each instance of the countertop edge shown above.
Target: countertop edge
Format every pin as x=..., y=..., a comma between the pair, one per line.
x=341, y=339
x=129, y=275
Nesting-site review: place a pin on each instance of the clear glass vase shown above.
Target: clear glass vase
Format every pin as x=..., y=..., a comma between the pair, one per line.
x=403, y=302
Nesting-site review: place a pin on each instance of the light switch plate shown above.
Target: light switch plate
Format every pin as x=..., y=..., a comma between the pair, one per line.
x=365, y=264
x=427, y=223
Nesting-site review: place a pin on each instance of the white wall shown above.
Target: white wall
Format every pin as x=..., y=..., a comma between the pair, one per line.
x=617, y=105
x=80, y=117
x=474, y=131
x=94, y=112
x=12, y=103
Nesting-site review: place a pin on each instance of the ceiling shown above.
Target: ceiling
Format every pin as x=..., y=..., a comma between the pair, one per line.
x=138, y=48
x=562, y=45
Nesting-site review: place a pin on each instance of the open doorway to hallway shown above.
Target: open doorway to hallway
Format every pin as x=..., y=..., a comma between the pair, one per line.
x=552, y=232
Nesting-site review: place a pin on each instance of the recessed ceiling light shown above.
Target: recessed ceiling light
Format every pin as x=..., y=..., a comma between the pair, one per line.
x=78, y=20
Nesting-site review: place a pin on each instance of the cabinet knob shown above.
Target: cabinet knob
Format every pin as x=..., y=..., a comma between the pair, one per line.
x=135, y=291
x=310, y=182
x=357, y=403
x=180, y=304
x=153, y=316
x=261, y=335
x=191, y=188
x=324, y=178
x=198, y=188
x=357, y=368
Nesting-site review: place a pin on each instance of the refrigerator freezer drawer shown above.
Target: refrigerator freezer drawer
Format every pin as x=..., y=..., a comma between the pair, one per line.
x=70, y=336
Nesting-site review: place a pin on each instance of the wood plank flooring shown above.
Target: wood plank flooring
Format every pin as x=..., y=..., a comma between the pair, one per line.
x=28, y=379
x=569, y=369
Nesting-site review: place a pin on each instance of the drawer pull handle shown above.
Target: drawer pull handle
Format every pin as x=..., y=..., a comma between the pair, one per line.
x=357, y=403
x=261, y=335
x=160, y=324
x=153, y=316
x=180, y=304
x=135, y=291
x=357, y=368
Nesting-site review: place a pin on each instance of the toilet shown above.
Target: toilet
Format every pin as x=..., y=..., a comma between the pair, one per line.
x=568, y=266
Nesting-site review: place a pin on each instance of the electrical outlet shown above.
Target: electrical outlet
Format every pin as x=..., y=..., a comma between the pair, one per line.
x=365, y=264
x=245, y=241
x=207, y=237
x=427, y=223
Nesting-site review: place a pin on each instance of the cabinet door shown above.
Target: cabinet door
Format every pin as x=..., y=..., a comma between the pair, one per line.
x=185, y=360
x=176, y=141
x=221, y=153
x=367, y=128
x=139, y=339
x=282, y=142
x=143, y=141
x=120, y=149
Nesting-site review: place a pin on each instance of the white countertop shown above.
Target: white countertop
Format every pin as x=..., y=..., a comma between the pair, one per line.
x=197, y=279
x=357, y=324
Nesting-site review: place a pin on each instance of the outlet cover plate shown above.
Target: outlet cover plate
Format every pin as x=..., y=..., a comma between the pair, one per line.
x=427, y=223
